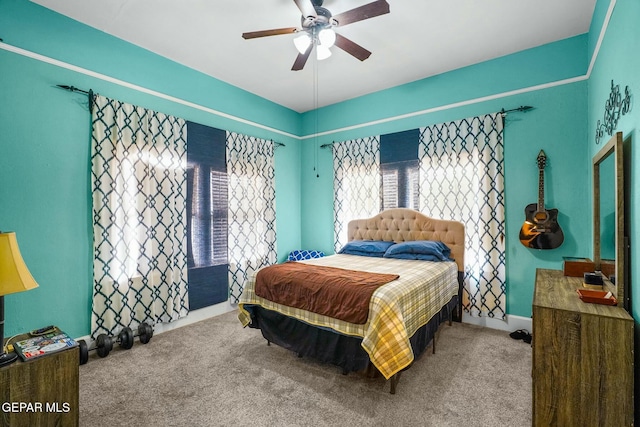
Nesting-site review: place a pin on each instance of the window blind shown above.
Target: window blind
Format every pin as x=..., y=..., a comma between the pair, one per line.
x=399, y=167
x=207, y=217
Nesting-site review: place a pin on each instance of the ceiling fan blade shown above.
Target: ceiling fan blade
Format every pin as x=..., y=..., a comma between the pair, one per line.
x=306, y=7
x=265, y=33
x=376, y=8
x=352, y=48
x=302, y=59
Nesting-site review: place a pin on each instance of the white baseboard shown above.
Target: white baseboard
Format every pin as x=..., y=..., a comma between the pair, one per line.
x=511, y=323
x=193, y=317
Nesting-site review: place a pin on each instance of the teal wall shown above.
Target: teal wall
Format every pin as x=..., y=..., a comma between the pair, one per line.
x=556, y=125
x=550, y=63
x=29, y=26
x=619, y=60
x=44, y=143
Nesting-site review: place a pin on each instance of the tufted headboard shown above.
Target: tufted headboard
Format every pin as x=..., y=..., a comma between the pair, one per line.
x=401, y=225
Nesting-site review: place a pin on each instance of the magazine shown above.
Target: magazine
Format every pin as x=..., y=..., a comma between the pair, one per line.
x=42, y=345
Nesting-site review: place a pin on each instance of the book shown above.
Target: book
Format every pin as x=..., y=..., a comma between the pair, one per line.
x=38, y=346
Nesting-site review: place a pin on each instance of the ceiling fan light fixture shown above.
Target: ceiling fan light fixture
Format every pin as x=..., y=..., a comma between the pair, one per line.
x=327, y=37
x=316, y=26
x=302, y=42
x=322, y=52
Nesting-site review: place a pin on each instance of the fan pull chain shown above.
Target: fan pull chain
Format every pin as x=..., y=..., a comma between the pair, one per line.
x=315, y=104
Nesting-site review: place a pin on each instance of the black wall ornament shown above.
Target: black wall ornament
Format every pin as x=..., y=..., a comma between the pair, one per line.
x=615, y=107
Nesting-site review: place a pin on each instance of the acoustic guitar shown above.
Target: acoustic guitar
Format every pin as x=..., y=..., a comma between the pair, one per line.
x=541, y=229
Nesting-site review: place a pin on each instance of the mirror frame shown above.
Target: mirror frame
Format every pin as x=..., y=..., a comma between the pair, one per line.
x=612, y=147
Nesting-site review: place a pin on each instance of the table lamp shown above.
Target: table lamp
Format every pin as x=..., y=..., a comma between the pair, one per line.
x=14, y=277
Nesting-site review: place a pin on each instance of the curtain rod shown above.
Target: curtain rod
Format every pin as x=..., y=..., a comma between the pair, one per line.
x=73, y=89
x=520, y=109
x=503, y=112
x=90, y=92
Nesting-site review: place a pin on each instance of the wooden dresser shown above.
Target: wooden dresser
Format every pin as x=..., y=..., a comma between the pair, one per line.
x=582, y=357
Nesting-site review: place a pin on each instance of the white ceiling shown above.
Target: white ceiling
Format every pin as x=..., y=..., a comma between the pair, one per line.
x=417, y=39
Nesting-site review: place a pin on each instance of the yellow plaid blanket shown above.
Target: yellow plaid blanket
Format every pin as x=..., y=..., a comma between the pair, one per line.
x=397, y=309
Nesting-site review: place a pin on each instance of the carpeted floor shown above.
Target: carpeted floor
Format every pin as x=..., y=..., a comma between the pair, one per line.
x=215, y=373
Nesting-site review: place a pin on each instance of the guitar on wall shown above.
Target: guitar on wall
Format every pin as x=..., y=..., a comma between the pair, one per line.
x=541, y=229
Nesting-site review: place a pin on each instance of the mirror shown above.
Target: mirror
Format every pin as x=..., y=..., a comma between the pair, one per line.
x=608, y=216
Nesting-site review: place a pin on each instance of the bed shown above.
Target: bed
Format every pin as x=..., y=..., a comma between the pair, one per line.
x=403, y=314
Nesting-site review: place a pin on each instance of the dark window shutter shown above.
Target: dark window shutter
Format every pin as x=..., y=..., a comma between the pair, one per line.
x=400, y=168
x=207, y=207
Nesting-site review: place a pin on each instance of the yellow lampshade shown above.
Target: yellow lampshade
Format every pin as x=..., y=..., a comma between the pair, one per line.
x=14, y=274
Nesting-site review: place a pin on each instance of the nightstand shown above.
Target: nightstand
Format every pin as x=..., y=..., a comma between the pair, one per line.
x=41, y=392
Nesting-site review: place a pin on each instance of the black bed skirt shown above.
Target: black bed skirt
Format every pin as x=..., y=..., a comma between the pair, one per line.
x=329, y=346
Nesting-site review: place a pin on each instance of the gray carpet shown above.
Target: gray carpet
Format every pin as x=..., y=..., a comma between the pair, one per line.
x=215, y=373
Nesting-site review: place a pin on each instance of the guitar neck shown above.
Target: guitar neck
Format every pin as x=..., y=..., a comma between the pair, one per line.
x=540, y=190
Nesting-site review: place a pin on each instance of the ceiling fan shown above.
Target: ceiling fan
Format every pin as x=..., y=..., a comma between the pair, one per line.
x=317, y=30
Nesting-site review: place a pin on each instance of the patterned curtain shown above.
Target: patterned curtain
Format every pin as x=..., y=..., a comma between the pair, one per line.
x=356, y=183
x=252, y=209
x=139, y=189
x=462, y=178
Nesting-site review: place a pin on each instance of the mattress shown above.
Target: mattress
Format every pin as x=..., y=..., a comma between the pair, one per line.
x=397, y=310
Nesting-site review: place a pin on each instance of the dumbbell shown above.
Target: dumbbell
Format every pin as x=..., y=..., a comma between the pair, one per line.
x=145, y=332
x=104, y=343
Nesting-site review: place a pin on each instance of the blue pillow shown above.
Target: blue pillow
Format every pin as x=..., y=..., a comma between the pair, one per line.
x=302, y=254
x=429, y=250
x=421, y=257
x=372, y=248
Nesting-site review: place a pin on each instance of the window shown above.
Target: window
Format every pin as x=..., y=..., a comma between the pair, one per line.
x=208, y=217
x=399, y=167
x=389, y=188
x=400, y=185
x=207, y=208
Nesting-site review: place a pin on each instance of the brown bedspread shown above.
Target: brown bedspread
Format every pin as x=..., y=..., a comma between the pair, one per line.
x=335, y=292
